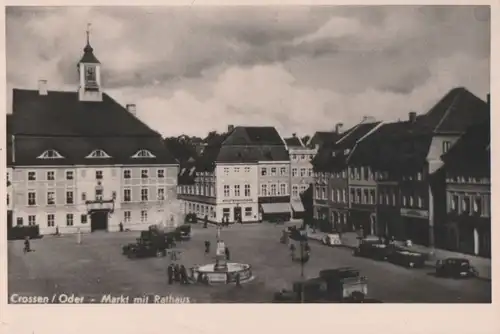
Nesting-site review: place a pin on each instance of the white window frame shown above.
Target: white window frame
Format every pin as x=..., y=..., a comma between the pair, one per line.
x=51, y=222
x=160, y=193
x=31, y=222
x=227, y=190
x=127, y=172
x=263, y=171
x=144, y=216
x=34, y=198
x=68, y=173
x=72, y=192
x=127, y=216
x=237, y=191
x=283, y=189
x=160, y=173
x=247, y=190
x=144, y=173
x=144, y=194
x=125, y=197
x=31, y=172
x=70, y=219
x=53, y=197
x=51, y=173
x=97, y=173
x=263, y=189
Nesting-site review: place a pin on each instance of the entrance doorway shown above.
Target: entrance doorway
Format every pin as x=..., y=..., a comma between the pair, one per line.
x=237, y=214
x=99, y=220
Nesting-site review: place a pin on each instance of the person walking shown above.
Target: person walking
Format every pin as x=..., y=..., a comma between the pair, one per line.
x=227, y=253
x=238, y=280
x=177, y=273
x=205, y=222
x=183, y=275
x=27, y=247
x=207, y=247
x=120, y=226
x=170, y=273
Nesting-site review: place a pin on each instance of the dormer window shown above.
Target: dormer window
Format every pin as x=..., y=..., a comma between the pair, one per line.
x=98, y=154
x=143, y=154
x=50, y=154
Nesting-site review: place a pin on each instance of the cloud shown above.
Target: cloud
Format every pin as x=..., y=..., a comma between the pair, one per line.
x=302, y=69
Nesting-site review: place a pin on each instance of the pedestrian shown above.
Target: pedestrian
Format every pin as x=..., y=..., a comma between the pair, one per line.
x=121, y=226
x=228, y=278
x=206, y=281
x=205, y=222
x=57, y=230
x=292, y=251
x=183, y=275
x=227, y=253
x=177, y=273
x=207, y=247
x=238, y=280
x=27, y=247
x=170, y=273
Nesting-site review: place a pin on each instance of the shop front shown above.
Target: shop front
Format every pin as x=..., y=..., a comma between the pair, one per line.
x=416, y=225
x=362, y=220
x=238, y=211
x=469, y=235
x=389, y=223
x=275, y=212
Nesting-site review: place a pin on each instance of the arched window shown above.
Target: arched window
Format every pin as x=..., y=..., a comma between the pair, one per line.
x=50, y=154
x=143, y=154
x=98, y=154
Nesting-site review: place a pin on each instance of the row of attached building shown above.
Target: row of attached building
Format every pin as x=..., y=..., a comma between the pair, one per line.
x=426, y=179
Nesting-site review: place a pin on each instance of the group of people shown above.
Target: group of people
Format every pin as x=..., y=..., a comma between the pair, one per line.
x=177, y=273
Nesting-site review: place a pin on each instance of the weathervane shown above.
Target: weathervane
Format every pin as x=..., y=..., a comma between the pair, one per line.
x=88, y=33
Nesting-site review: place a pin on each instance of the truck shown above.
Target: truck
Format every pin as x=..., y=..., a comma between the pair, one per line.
x=340, y=285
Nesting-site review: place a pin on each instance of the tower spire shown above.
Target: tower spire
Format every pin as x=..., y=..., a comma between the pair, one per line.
x=88, y=33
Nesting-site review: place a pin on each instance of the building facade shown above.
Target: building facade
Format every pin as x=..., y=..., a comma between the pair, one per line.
x=79, y=161
x=301, y=172
x=249, y=174
x=468, y=192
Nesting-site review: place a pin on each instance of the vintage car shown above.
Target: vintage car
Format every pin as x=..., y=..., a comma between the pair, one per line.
x=184, y=232
x=331, y=239
x=332, y=286
x=406, y=258
x=144, y=248
x=373, y=248
x=455, y=267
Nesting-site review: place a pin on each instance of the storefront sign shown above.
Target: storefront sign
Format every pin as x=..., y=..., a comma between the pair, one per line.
x=237, y=201
x=415, y=213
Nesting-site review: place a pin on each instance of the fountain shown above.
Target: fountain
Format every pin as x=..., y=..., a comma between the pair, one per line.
x=222, y=271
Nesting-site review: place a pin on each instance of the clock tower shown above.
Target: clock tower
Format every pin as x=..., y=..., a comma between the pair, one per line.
x=89, y=71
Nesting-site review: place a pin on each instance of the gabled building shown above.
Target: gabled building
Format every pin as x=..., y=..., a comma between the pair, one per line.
x=301, y=175
x=78, y=160
x=244, y=176
x=467, y=228
x=321, y=138
x=331, y=181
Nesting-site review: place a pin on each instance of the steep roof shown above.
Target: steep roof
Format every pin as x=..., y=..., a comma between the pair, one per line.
x=333, y=157
x=244, y=145
x=471, y=154
x=59, y=121
x=393, y=146
x=88, y=55
x=456, y=111
x=324, y=138
x=293, y=142
x=62, y=114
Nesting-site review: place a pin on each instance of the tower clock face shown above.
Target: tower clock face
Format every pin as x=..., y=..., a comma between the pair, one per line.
x=90, y=73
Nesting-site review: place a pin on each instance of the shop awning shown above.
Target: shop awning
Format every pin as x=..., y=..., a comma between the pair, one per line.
x=275, y=207
x=297, y=206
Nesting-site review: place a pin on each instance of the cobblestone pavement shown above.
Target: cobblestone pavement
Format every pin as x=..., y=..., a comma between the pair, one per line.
x=97, y=267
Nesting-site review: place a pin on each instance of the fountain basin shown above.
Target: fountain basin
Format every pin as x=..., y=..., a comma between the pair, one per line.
x=224, y=276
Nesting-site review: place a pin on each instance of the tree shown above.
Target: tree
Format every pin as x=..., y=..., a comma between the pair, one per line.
x=182, y=147
x=305, y=139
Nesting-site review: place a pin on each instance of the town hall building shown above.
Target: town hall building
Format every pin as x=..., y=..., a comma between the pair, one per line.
x=80, y=161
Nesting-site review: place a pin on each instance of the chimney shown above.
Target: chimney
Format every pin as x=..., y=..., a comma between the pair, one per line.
x=368, y=119
x=488, y=99
x=42, y=87
x=412, y=117
x=230, y=128
x=338, y=127
x=131, y=108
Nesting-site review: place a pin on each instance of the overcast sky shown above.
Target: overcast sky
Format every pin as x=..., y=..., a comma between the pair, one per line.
x=302, y=69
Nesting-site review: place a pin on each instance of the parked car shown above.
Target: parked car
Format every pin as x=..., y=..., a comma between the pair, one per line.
x=456, y=268
x=184, y=232
x=143, y=248
x=373, y=248
x=331, y=239
x=406, y=258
